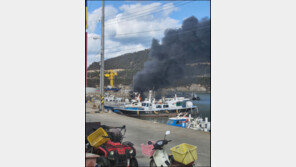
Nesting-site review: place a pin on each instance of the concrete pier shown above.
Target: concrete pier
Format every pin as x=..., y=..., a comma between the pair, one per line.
x=139, y=131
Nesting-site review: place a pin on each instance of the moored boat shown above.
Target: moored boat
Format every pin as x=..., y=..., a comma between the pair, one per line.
x=162, y=108
x=188, y=122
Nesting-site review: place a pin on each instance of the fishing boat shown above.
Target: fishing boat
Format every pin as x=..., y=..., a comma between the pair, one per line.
x=195, y=97
x=183, y=121
x=150, y=107
x=180, y=121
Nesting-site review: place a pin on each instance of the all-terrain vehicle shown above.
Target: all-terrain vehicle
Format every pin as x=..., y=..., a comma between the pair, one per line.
x=112, y=151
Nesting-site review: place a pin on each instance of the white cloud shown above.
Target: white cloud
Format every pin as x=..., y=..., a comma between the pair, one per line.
x=92, y=58
x=94, y=17
x=122, y=31
x=168, y=8
x=119, y=49
x=93, y=43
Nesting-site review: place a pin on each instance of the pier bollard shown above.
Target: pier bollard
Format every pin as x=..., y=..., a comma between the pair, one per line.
x=203, y=125
x=209, y=126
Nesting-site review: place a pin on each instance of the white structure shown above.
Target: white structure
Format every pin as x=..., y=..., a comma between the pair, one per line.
x=199, y=124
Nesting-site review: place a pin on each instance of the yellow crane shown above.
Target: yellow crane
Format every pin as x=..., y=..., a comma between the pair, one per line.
x=110, y=75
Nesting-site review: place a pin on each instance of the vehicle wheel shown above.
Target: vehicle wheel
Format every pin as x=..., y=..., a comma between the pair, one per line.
x=134, y=162
x=152, y=163
x=173, y=162
x=114, y=163
x=103, y=162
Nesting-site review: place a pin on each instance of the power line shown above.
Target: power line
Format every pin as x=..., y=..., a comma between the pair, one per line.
x=141, y=15
x=126, y=34
x=150, y=40
x=139, y=12
x=131, y=14
x=125, y=19
x=143, y=11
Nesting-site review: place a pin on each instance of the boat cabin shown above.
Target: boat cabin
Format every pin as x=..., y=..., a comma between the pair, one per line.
x=146, y=104
x=162, y=106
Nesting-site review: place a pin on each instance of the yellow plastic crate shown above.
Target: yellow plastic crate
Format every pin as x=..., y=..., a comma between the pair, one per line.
x=184, y=153
x=96, y=138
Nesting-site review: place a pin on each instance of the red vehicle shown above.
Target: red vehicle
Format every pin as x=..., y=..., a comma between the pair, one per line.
x=115, y=152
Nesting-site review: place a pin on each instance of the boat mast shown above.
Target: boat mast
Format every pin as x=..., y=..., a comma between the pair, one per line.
x=150, y=96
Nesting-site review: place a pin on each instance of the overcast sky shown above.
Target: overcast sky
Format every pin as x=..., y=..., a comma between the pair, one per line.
x=130, y=25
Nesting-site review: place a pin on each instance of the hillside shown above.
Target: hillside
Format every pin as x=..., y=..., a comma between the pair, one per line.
x=127, y=61
x=127, y=65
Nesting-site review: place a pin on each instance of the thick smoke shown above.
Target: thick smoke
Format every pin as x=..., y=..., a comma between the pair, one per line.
x=166, y=62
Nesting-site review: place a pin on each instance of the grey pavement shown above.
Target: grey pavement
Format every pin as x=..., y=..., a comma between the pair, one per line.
x=140, y=131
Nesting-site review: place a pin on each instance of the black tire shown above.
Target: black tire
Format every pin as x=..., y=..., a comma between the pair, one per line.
x=103, y=162
x=171, y=158
x=152, y=163
x=173, y=162
x=134, y=162
x=115, y=163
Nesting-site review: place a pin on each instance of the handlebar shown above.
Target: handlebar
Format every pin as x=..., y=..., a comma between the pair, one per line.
x=166, y=141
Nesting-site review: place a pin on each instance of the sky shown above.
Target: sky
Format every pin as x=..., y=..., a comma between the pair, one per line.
x=131, y=25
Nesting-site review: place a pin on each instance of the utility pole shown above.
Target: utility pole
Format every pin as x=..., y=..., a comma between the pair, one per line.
x=102, y=57
x=85, y=43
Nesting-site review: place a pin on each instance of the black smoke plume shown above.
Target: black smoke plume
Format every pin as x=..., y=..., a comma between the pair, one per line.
x=166, y=61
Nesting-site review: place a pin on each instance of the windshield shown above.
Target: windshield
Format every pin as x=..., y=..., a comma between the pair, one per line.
x=179, y=104
x=159, y=142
